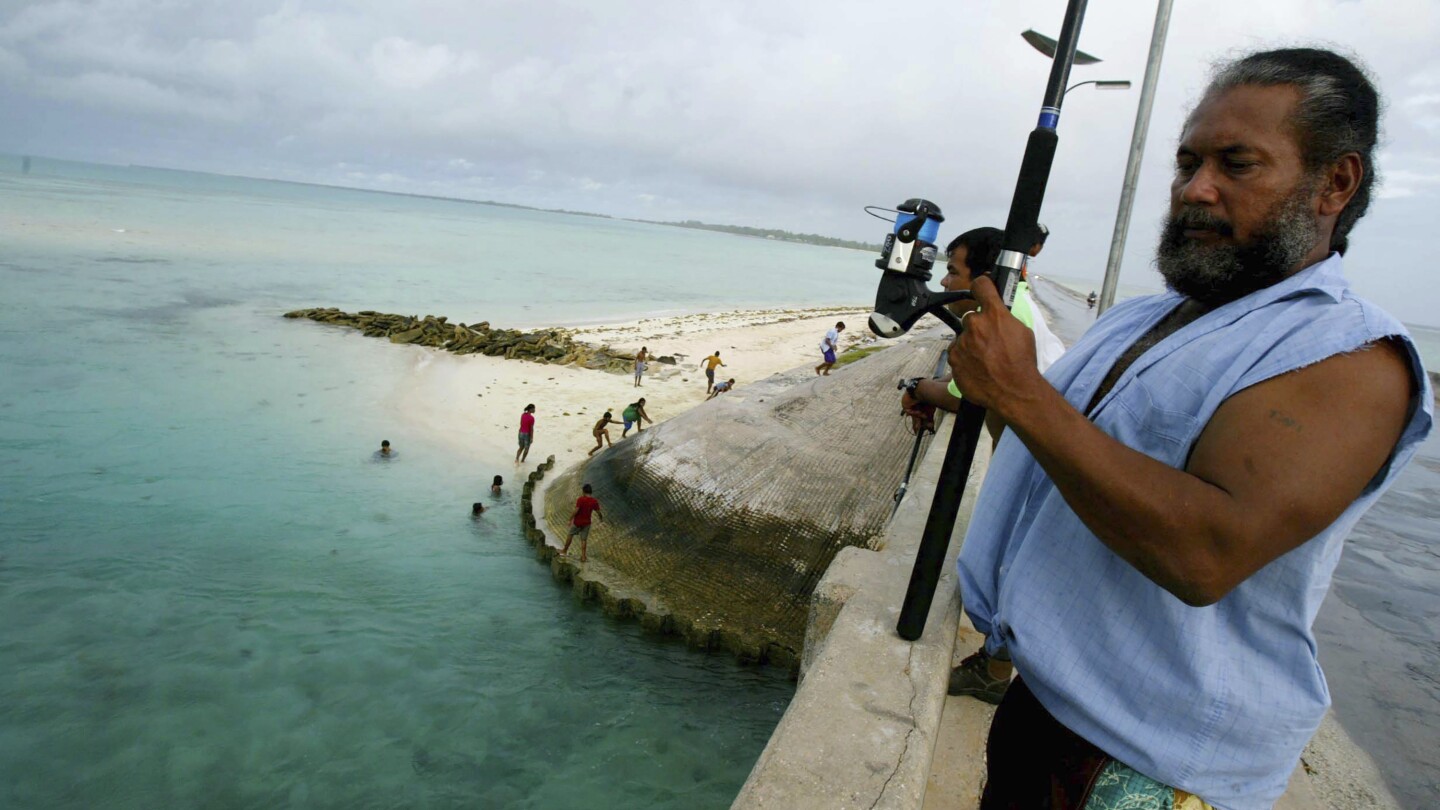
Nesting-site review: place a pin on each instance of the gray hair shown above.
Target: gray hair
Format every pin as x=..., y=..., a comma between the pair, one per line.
x=1338, y=113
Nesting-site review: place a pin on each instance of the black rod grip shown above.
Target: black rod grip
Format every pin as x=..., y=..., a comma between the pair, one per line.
x=1030, y=189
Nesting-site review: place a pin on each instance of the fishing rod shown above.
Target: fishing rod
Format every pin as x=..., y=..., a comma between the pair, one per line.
x=902, y=299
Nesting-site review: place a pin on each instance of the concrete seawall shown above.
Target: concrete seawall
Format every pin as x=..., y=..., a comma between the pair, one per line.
x=862, y=728
x=621, y=598
x=596, y=582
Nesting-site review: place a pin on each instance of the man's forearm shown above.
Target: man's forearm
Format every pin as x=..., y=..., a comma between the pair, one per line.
x=935, y=392
x=1275, y=463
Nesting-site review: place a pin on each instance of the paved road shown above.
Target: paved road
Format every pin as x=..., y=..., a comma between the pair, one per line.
x=1065, y=309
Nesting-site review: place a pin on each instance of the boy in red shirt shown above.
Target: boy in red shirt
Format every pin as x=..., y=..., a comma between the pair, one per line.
x=580, y=521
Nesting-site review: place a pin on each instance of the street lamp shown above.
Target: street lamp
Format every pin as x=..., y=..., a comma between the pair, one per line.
x=1103, y=84
x=1137, y=151
x=1047, y=46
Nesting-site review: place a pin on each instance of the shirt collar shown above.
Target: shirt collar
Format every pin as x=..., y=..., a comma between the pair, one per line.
x=1327, y=276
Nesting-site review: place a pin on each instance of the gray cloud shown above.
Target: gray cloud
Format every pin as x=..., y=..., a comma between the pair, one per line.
x=784, y=114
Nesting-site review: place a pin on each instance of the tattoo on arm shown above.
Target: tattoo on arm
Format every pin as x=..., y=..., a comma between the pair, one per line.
x=1285, y=420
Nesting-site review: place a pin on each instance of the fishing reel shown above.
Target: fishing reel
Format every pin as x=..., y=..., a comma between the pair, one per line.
x=910, y=246
x=907, y=258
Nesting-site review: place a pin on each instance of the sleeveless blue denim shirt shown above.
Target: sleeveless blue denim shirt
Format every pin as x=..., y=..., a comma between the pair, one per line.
x=1218, y=700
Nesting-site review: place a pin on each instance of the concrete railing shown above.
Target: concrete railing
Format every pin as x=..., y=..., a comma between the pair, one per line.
x=860, y=731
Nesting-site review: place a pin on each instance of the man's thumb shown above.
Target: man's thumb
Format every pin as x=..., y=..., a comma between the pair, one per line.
x=985, y=294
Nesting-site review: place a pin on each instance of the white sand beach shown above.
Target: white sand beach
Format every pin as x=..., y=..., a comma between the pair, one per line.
x=473, y=402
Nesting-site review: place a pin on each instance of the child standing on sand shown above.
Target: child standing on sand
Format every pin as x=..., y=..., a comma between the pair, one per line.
x=527, y=433
x=640, y=358
x=828, y=346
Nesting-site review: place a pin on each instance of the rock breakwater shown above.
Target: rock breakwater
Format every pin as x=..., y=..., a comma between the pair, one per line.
x=555, y=346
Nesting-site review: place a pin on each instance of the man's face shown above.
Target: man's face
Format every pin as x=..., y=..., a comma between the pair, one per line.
x=957, y=278
x=1243, y=210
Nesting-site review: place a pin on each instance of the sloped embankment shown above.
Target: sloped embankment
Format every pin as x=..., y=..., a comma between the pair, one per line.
x=720, y=522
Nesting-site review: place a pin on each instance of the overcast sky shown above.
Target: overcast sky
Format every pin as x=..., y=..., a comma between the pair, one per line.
x=756, y=112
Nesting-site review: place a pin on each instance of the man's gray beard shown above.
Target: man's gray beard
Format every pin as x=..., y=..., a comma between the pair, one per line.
x=1216, y=274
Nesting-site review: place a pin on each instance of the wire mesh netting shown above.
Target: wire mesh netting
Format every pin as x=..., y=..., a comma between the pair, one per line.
x=730, y=513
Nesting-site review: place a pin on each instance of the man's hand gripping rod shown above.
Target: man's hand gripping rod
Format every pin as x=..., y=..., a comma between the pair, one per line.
x=902, y=299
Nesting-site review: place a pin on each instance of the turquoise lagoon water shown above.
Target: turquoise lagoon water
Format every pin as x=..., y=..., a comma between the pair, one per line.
x=213, y=595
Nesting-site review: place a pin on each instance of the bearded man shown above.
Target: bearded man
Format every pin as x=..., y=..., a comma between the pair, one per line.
x=1160, y=521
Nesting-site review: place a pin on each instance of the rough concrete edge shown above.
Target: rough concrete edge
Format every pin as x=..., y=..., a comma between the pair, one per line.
x=860, y=731
x=596, y=582
x=840, y=582
x=1341, y=774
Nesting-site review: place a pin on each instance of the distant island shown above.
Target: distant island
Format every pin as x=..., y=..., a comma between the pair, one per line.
x=769, y=233
x=738, y=230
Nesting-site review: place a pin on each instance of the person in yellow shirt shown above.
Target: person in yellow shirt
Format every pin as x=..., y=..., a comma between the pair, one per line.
x=710, y=363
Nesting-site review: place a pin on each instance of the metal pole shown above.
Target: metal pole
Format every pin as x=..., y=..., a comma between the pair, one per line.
x=1137, y=151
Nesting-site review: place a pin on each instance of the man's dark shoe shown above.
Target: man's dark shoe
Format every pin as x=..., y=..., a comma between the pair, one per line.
x=972, y=678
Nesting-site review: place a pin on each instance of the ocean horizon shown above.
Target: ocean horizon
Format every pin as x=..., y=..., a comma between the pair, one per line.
x=216, y=596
